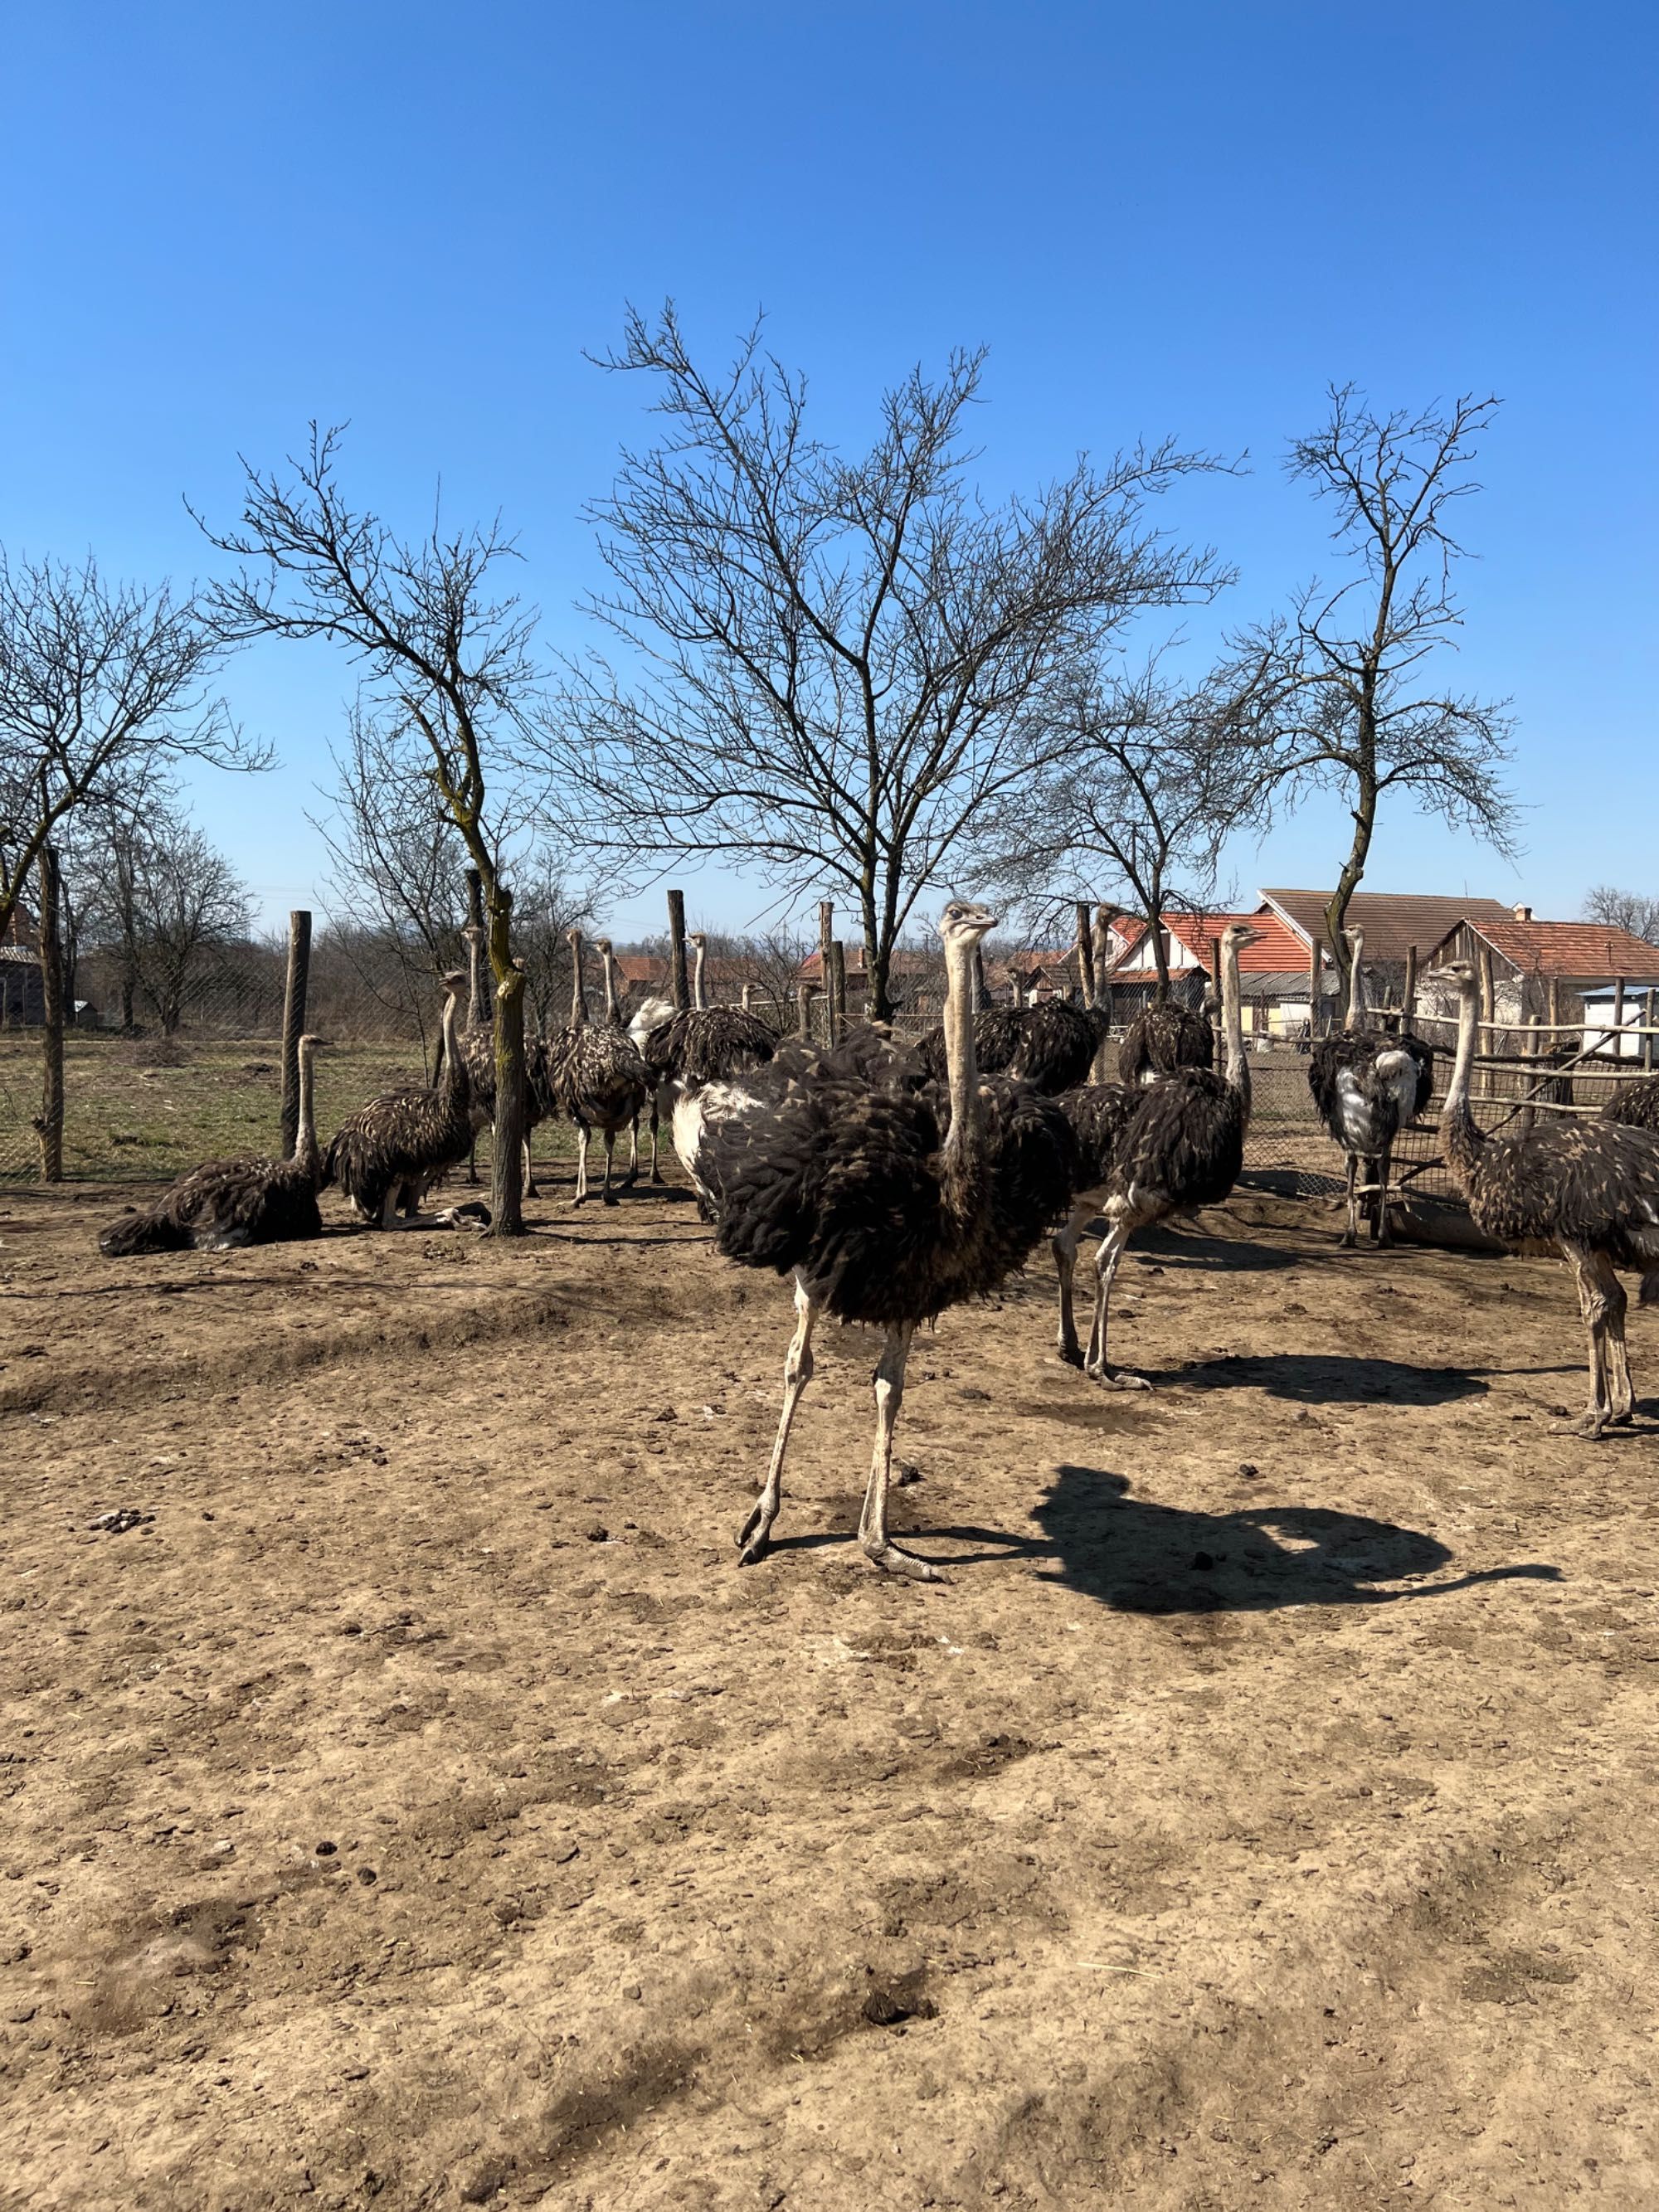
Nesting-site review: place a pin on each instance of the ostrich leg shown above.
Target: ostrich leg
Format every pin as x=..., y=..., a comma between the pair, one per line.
x=1596, y=1279
x=879, y=1546
x=1383, y=1232
x=796, y=1374
x=607, y=1196
x=582, y=1163
x=633, y=1174
x=1107, y=1259
x=656, y=1117
x=1063, y=1244
x=1351, y=1234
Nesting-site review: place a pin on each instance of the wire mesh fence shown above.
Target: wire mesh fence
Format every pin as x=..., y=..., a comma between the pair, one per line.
x=143, y=1109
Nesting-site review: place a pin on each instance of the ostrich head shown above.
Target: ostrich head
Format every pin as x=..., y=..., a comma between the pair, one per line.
x=963, y=923
x=455, y=982
x=1462, y=975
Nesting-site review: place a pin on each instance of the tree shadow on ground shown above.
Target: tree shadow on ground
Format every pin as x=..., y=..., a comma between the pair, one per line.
x=1314, y=1378
x=1136, y=1556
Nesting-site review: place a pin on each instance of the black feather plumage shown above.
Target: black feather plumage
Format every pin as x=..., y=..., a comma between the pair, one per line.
x=221, y=1204
x=1163, y=1038
x=1050, y=1045
x=1635, y=1105
x=706, y=1045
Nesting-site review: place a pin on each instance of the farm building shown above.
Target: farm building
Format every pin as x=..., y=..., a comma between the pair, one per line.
x=1557, y=972
x=1273, y=973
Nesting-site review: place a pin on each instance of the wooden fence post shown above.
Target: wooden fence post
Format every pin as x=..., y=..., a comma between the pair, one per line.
x=1408, y=993
x=1487, y=1086
x=679, y=987
x=826, y=938
x=1650, y=1020
x=1313, y=988
x=1619, y=1018
x=804, y=1009
x=294, y=1022
x=49, y=1123
x=1085, y=953
x=838, y=992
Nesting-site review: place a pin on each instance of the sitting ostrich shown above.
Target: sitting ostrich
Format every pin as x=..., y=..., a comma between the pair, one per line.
x=595, y=1075
x=700, y=1044
x=226, y=1203
x=1367, y=1089
x=1589, y=1190
x=1181, y=1147
x=886, y=1198
x=388, y=1154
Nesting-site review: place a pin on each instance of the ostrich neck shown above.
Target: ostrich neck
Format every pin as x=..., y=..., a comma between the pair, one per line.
x=1232, y=1025
x=963, y=1153
x=1459, y=1131
x=305, y=1137
x=1357, y=983
x=477, y=1012
x=698, y=998
x=609, y=959
x=578, y=1001
x=454, y=1080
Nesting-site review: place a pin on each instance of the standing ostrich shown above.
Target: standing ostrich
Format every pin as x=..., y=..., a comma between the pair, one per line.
x=1051, y=1046
x=700, y=1044
x=1181, y=1147
x=226, y=1203
x=1164, y=1037
x=595, y=1075
x=1099, y=1113
x=477, y=1045
x=390, y=1152
x=613, y=1020
x=1367, y=1089
x=1588, y=1190
x=886, y=1198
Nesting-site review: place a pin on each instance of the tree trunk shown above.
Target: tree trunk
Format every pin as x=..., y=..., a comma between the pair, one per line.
x=1085, y=953
x=837, y=992
x=49, y=1123
x=1353, y=868
x=506, y=1164
x=294, y=1022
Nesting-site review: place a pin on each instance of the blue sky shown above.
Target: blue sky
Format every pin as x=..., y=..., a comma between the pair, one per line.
x=1183, y=218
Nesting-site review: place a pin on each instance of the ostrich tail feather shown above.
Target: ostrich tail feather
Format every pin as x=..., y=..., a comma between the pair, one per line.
x=142, y=1231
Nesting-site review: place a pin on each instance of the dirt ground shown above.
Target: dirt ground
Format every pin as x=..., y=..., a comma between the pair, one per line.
x=419, y=1806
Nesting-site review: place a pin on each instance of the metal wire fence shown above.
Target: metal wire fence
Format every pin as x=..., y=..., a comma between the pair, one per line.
x=140, y=1110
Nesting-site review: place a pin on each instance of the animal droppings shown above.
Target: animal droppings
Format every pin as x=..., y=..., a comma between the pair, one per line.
x=596, y=1535
x=1249, y=1469
x=119, y=1520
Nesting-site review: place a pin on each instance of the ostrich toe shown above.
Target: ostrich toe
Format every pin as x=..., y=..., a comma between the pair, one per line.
x=893, y=1561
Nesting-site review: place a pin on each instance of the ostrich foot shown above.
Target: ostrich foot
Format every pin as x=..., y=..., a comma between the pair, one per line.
x=892, y=1561
x=608, y=1197
x=1118, y=1378
x=755, y=1537
x=1070, y=1354
x=1591, y=1425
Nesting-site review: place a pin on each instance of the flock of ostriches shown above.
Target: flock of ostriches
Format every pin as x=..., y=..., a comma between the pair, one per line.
x=890, y=1182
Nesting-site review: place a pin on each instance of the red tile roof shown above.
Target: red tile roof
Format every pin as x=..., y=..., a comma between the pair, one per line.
x=1570, y=948
x=1279, y=951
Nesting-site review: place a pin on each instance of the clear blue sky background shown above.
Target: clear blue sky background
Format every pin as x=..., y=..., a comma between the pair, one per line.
x=1180, y=217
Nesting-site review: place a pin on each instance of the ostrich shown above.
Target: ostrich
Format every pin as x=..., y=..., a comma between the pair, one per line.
x=886, y=1198
x=390, y=1152
x=1051, y=1046
x=1635, y=1105
x=1164, y=1037
x=1180, y=1148
x=1098, y=1113
x=700, y=1044
x=476, y=1043
x=595, y=1075
x=226, y=1203
x=1589, y=1190
x=1367, y=1089
x=613, y=1020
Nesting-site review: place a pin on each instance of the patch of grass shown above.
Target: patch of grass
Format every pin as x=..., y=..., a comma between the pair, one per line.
x=145, y=1120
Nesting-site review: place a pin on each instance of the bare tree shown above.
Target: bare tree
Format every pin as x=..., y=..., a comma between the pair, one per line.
x=1619, y=909
x=844, y=661
x=162, y=907
x=445, y=652
x=1344, y=688
x=99, y=682
x=1157, y=777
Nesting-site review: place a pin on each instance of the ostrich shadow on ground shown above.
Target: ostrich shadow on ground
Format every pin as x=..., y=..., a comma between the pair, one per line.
x=1315, y=1378
x=1136, y=1556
